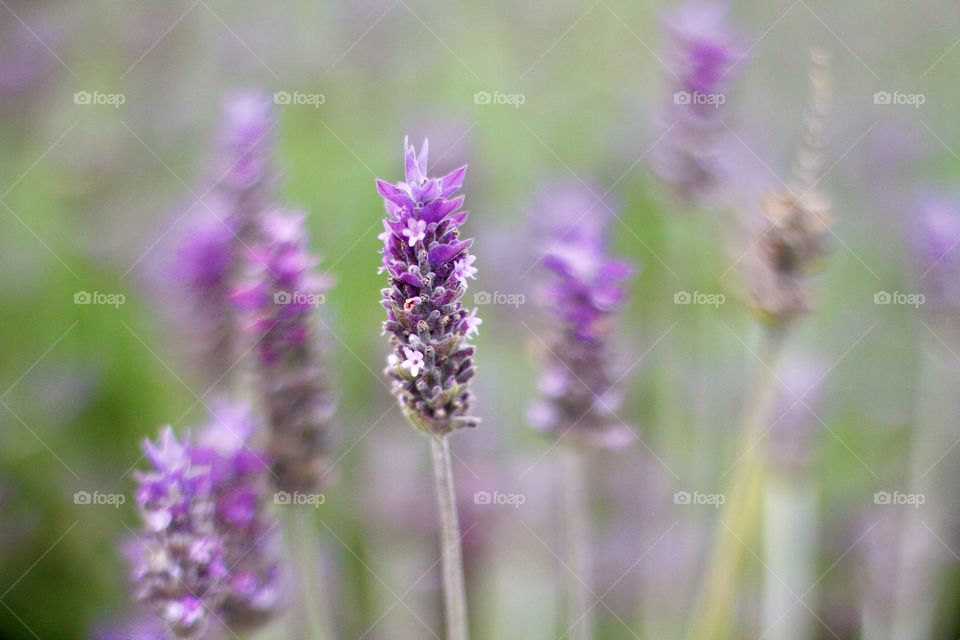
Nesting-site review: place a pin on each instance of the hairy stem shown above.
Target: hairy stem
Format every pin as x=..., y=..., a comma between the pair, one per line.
x=740, y=514
x=307, y=621
x=579, y=567
x=454, y=591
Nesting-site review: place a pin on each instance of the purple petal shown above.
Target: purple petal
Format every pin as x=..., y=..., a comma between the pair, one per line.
x=411, y=279
x=412, y=169
x=393, y=193
x=441, y=254
x=422, y=156
x=440, y=209
x=453, y=181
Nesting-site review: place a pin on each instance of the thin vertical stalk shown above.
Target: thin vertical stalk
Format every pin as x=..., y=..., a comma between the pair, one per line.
x=789, y=551
x=307, y=621
x=577, y=532
x=454, y=590
x=740, y=514
x=933, y=432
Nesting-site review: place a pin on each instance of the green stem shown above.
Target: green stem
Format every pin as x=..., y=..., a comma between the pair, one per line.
x=740, y=514
x=579, y=609
x=454, y=590
x=307, y=621
x=789, y=551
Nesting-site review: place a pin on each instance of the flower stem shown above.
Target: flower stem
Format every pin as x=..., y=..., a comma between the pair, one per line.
x=454, y=591
x=740, y=515
x=307, y=621
x=579, y=618
x=933, y=433
x=789, y=551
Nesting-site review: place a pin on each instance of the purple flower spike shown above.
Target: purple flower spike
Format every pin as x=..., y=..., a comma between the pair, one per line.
x=428, y=267
x=212, y=256
x=283, y=296
x=204, y=554
x=585, y=290
x=701, y=54
x=179, y=571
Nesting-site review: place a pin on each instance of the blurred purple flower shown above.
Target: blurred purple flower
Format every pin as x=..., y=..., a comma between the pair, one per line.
x=213, y=253
x=428, y=266
x=936, y=239
x=283, y=296
x=204, y=265
x=204, y=548
x=701, y=53
x=180, y=569
x=585, y=289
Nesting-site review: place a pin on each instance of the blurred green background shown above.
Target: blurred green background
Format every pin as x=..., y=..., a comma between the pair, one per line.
x=93, y=197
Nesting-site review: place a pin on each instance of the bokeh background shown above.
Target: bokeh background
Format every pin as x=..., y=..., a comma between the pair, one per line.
x=94, y=197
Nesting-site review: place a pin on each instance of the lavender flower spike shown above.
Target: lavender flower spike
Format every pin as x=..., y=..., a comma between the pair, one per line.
x=204, y=554
x=585, y=291
x=179, y=573
x=283, y=296
x=428, y=267
x=701, y=53
x=211, y=256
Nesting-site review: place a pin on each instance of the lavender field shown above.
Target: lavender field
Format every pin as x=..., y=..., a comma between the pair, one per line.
x=406, y=319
